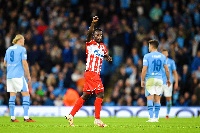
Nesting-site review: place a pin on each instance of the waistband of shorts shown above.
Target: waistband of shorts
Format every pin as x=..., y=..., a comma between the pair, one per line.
x=91, y=71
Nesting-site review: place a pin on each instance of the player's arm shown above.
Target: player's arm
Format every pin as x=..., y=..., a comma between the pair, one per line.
x=5, y=60
x=26, y=69
x=107, y=58
x=4, y=68
x=25, y=65
x=167, y=73
x=176, y=79
x=5, y=63
x=91, y=29
x=144, y=71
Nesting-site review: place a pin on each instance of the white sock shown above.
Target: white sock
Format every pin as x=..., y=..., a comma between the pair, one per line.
x=13, y=117
x=26, y=117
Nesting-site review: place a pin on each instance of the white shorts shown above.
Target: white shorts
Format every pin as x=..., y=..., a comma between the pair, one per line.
x=17, y=85
x=167, y=90
x=153, y=86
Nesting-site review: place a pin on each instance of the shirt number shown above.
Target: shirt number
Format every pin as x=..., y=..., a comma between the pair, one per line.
x=157, y=65
x=12, y=56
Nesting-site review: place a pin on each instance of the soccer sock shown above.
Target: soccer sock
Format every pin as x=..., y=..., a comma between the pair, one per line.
x=26, y=103
x=168, y=104
x=97, y=104
x=12, y=106
x=150, y=108
x=157, y=109
x=77, y=106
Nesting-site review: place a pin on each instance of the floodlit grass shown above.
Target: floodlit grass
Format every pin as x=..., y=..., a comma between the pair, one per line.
x=85, y=125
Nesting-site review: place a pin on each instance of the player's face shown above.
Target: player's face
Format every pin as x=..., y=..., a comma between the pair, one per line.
x=98, y=36
x=165, y=53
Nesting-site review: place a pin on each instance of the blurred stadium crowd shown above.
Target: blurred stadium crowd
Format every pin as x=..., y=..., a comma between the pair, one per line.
x=55, y=33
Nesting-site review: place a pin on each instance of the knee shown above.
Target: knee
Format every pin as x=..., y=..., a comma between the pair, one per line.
x=85, y=96
x=100, y=95
x=25, y=94
x=157, y=101
x=168, y=99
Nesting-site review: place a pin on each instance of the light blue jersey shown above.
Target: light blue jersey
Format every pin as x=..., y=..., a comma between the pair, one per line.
x=172, y=66
x=14, y=56
x=155, y=61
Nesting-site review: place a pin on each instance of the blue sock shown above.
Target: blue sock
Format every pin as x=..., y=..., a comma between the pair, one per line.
x=168, y=104
x=12, y=105
x=150, y=108
x=157, y=109
x=26, y=103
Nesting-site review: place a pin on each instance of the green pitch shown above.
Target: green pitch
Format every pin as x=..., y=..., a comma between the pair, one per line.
x=85, y=125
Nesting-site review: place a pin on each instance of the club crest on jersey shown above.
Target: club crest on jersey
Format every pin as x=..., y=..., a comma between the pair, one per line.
x=98, y=53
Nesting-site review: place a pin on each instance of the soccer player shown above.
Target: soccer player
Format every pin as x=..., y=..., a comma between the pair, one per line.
x=15, y=61
x=168, y=90
x=153, y=64
x=96, y=51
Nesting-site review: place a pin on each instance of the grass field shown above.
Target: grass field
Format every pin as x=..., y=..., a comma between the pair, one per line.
x=115, y=125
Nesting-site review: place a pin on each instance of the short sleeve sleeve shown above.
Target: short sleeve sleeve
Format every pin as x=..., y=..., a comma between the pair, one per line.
x=105, y=50
x=145, y=61
x=24, y=54
x=5, y=58
x=89, y=43
x=173, y=65
x=165, y=61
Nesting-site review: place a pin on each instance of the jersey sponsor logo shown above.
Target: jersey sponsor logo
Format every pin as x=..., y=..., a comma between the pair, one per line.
x=154, y=73
x=12, y=64
x=98, y=53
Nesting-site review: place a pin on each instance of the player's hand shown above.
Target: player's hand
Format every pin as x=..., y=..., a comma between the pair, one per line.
x=142, y=84
x=176, y=85
x=168, y=83
x=29, y=81
x=95, y=19
x=109, y=58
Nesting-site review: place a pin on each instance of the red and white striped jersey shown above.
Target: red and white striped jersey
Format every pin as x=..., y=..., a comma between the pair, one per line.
x=95, y=54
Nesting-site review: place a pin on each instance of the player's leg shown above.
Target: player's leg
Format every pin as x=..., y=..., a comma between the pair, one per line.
x=149, y=93
x=168, y=95
x=77, y=106
x=157, y=106
x=98, y=102
x=26, y=104
x=150, y=105
x=12, y=106
x=157, y=96
x=26, y=100
x=168, y=104
x=79, y=103
x=13, y=93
